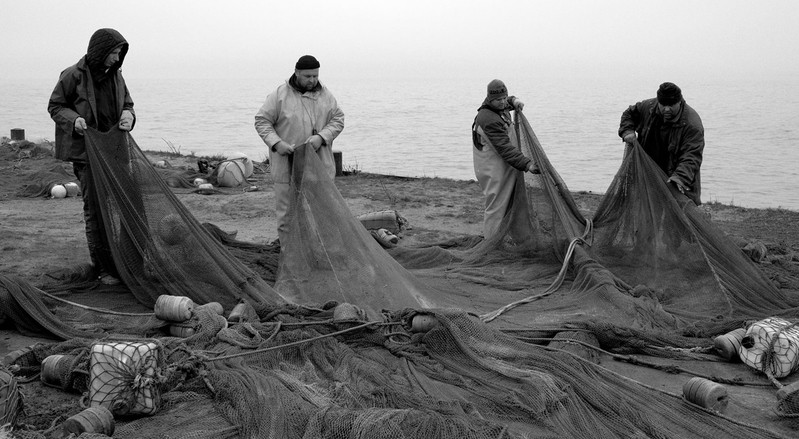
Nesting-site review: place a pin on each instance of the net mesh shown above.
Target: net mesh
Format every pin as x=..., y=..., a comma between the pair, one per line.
x=158, y=246
x=439, y=340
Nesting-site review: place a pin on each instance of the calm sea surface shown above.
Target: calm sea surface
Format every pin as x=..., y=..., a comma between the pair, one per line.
x=422, y=127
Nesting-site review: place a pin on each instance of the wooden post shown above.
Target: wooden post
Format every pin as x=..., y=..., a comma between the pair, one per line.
x=337, y=159
x=17, y=134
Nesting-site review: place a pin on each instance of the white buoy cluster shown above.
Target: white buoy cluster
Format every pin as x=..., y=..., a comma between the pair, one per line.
x=70, y=189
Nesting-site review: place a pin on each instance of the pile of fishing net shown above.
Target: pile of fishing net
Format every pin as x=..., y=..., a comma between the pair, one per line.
x=338, y=337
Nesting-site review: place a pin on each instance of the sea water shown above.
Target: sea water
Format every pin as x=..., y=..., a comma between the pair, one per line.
x=421, y=127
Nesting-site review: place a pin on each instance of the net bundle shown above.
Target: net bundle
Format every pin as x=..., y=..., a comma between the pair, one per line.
x=647, y=272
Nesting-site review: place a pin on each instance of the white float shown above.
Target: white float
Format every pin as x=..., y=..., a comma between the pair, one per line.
x=58, y=191
x=230, y=174
x=243, y=161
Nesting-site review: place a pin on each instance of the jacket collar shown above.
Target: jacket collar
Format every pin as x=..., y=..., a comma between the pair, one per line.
x=293, y=83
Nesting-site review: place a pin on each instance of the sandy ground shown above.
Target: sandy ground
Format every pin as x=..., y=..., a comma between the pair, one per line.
x=41, y=235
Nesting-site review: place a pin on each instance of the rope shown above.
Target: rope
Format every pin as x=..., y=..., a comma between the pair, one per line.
x=295, y=343
x=652, y=388
x=635, y=361
x=99, y=310
x=555, y=284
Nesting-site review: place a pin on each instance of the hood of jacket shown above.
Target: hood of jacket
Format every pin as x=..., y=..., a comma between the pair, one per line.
x=102, y=43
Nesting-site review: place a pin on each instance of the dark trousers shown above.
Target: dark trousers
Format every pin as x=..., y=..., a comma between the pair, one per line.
x=96, y=236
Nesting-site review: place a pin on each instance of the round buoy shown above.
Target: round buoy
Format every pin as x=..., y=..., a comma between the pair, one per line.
x=181, y=330
x=244, y=163
x=173, y=308
x=55, y=368
x=58, y=191
x=172, y=230
x=199, y=181
x=423, y=322
x=706, y=393
x=97, y=419
x=72, y=189
x=230, y=174
x=215, y=307
x=728, y=345
x=346, y=311
x=206, y=186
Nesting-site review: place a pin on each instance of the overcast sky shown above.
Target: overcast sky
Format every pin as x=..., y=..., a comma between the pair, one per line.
x=410, y=38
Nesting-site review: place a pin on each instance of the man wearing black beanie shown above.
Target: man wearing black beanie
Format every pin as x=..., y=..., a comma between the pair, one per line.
x=300, y=111
x=671, y=133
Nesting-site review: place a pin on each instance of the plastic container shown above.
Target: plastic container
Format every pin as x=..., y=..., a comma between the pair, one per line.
x=784, y=354
x=173, y=308
x=706, y=393
x=92, y=420
x=123, y=377
x=385, y=219
x=728, y=345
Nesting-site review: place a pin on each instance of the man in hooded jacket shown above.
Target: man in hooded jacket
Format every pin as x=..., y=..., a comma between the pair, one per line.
x=92, y=93
x=301, y=111
x=497, y=160
x=671, y=133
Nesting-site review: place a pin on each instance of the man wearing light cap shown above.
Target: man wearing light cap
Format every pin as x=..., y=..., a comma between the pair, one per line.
x=671, y=133
x=498, y=162
x=300, y=111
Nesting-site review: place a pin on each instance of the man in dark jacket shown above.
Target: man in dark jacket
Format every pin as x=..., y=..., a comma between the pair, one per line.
x=672, y=134
x=497, y=160
x=92, y=93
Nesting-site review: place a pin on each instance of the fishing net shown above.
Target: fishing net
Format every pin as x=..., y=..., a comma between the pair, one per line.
x=440, y=340
x=158, y=246
x=648, y=259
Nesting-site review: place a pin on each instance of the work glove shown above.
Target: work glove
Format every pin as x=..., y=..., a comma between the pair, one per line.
x=126, y=121
x=80, y=125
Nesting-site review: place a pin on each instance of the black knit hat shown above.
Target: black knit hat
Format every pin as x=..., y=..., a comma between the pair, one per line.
x=307, y=62
x=669, y=94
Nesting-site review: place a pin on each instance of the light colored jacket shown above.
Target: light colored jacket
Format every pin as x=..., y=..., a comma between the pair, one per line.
x=292, y=117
